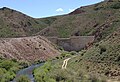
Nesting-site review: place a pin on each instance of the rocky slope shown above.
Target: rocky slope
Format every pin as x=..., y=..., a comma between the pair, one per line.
x=27, y=48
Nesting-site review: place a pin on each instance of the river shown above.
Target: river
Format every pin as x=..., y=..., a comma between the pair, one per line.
x=28, y=72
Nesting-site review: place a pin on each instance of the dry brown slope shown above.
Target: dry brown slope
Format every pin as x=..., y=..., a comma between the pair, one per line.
x=27, y=48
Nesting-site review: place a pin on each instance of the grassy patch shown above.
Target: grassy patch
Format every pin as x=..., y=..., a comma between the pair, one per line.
x=23, y=78
x=8, y=69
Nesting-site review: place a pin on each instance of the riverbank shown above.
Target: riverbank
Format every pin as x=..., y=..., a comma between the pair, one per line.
x=27, y=72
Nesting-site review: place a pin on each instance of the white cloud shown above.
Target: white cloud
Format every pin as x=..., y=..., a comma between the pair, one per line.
x=70, y=10
x=59, y=10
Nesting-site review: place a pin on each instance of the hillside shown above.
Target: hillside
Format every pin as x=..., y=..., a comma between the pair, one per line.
x=102, y=60
x=28, y=49
x=99, y=19
x=98, y=63
x=16, y=24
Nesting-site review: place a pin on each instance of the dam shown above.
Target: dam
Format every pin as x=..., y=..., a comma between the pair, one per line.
x=73, y=43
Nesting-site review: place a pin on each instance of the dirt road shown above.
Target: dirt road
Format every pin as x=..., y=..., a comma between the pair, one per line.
x=65, y=62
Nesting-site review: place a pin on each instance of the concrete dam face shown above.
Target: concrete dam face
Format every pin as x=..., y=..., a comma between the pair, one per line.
x=74, y=43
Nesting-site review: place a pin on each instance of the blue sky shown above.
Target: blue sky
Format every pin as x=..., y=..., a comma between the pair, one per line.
x=45, y=8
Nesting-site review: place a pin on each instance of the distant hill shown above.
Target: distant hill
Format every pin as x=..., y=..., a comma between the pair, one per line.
x=16, y=24
x=99, y=19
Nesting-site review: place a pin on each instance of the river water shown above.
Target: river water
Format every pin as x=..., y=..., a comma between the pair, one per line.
x=28, y=72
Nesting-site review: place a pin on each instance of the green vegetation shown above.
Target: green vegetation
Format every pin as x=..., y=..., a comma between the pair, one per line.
x=48, y=20
x=8, y=69
x=23, y=79
x=116, y=5
x=51, y=72
x=41, y=73
x=24, y=64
